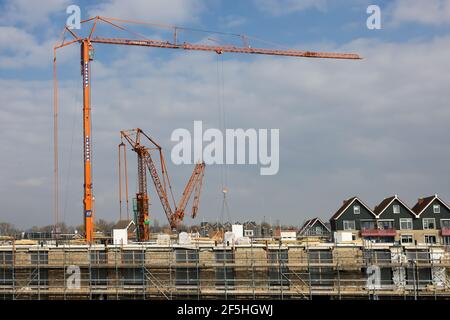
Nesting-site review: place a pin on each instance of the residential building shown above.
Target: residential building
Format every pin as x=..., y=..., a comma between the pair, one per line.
x=314, y=228
x=393, y=221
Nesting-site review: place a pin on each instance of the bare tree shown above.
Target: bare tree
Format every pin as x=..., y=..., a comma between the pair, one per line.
x=8, y=229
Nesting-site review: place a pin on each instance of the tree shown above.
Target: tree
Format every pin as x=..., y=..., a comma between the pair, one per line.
x=8, y=229
x=103, y=225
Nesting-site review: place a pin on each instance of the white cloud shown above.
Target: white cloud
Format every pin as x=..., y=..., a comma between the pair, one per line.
x=281, y=7
x=429, y=12
x=162, y=11
x=31, y=13
x=19, y=49
x=346, y=127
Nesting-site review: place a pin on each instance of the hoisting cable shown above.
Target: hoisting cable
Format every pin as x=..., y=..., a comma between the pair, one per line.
x=221, y=106
x=69, y=169
x=120, y=180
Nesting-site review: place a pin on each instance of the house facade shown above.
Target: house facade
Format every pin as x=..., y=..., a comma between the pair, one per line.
x=392, y=221
x=433, y=219
x=349, y=216
x=314, y=228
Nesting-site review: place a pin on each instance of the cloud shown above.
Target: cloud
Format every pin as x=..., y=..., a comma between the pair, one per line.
x=31, y=14
x=282, y=7
x=167, y=11
x=26, y=33
x=20, y=49
x=430, y=12
x=373, y=128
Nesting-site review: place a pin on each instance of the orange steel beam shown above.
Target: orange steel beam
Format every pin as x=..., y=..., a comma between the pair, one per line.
x=194, y=183
x=223, y=49
x=86, y=58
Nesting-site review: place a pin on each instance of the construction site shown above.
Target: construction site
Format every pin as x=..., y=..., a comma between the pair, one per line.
x=202, y=269
x=230, y=263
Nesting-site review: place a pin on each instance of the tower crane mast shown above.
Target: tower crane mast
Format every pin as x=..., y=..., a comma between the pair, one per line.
x=87, y=56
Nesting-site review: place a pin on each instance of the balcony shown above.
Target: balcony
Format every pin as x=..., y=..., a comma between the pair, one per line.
x=445, y=232
x=378, y=233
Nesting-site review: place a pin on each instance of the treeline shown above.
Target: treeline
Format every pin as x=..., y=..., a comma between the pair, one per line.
x=101, y=225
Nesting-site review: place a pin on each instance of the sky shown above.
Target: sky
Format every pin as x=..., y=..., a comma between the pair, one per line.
x=371, y=128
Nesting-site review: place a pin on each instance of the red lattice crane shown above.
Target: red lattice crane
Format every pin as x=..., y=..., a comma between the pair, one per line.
x=87, y=55
x=135, y=138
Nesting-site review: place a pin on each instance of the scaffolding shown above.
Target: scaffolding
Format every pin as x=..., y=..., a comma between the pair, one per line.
x=253, y=271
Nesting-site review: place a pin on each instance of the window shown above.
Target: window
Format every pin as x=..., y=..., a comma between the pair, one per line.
x=99, y=277
x=321, y=276
x=349, y=224
x=436, y=208
x=98, y=257
x=133, y=257
x=367, y=224
x=418, y=255
x=445, y=224
x=6, y=258
x=186, y=255
x=278, y=275
x=406, y=239
x=430, y=239
x=39, y=257
x=39, y=277
x=6, y=277
x=356, y=209
x=131, y=276
x=396, y=208
x=446, y=240
x=318, y=231
x=429, y=223
x=224, y=274
x=417, y=275
x=320, y=256
x=383, y=256
x=186, y=275
x=385, y=224
x=248, y=233
x=406, y=224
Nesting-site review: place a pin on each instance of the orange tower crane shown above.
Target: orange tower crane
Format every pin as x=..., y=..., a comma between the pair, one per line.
x=87, y=55
x=145, y=161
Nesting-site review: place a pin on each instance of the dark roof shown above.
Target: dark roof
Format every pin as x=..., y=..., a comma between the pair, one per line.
x=422, y=203
x=305, y=225
x=310, y=223
x=383, y=204
x=343, y=207
x=347, y=203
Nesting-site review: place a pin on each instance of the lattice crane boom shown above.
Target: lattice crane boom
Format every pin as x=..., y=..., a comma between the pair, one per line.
x=145, y=161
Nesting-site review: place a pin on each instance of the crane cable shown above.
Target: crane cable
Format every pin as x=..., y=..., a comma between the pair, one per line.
x=222, y=125
x=123, y=172
x=69, y=166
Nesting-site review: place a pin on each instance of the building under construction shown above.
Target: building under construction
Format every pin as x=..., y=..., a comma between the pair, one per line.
x=202, y=269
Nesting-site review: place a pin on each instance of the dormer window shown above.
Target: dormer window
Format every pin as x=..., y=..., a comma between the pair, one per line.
x=396, y=208
x=356, y=209
x=436, y=208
